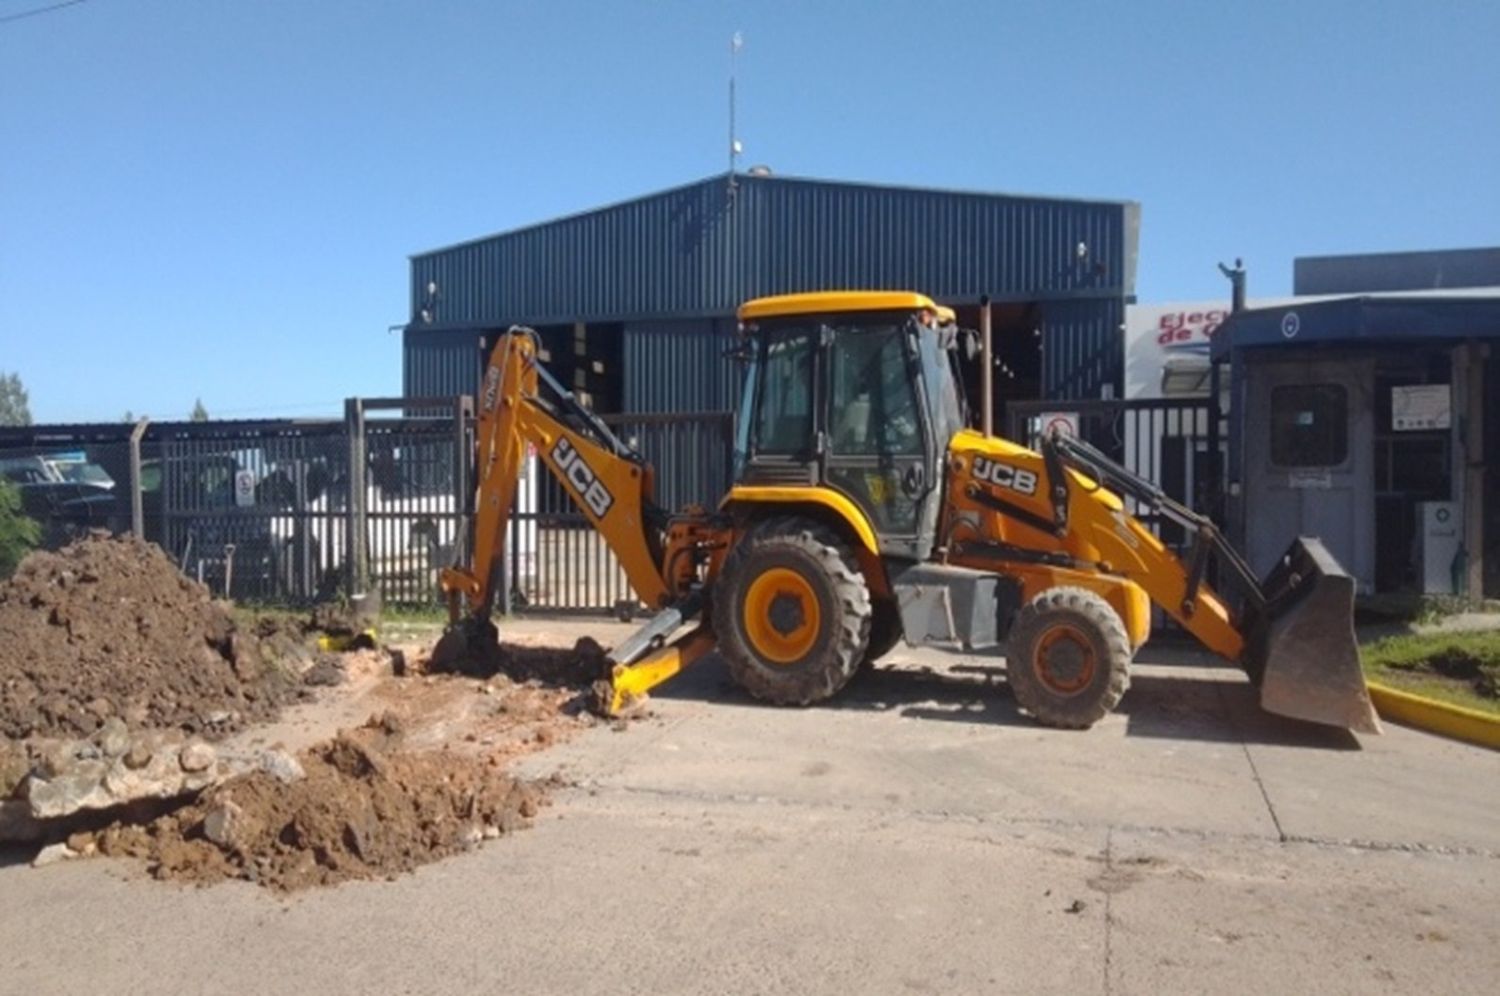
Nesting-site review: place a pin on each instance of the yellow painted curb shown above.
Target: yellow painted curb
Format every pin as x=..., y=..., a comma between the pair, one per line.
x=1468, y=725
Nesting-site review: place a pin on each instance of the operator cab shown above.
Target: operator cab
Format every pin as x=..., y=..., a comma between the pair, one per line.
x=854, y=392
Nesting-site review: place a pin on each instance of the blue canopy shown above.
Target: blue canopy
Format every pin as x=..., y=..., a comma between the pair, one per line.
x=1354, y=321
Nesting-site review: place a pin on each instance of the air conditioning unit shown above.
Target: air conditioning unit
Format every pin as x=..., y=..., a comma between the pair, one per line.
x=1439, y=539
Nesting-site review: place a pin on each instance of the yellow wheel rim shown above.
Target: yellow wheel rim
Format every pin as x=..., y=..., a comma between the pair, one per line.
x=781, y=616
x=1065, y=661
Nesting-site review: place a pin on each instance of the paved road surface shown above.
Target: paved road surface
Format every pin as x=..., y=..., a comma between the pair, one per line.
x=918, y=837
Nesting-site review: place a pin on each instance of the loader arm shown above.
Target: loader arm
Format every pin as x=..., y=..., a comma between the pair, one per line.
x=608, y=481
x=1060, y=509
x=1174, y=583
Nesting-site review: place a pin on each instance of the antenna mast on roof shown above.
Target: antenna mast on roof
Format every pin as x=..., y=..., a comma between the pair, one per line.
x=736, y=43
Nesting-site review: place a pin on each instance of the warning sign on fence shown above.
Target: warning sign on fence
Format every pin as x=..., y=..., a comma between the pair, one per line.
x=244, y=488
x=1062, y=423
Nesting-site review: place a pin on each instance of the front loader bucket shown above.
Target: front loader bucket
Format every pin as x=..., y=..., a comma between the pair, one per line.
x=1303, y=651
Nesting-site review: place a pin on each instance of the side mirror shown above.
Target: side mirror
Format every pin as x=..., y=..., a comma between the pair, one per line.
x=957, y=340
x=743, y=353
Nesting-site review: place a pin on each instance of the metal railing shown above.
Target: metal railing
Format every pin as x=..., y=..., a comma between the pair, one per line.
x=1170, y=442
x=269, y=512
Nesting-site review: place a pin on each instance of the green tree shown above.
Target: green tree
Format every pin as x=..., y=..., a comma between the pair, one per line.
x=15, y=403
x=18, y=534
x=200, y=414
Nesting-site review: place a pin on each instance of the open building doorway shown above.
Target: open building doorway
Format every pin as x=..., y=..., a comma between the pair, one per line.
x=1016, y=342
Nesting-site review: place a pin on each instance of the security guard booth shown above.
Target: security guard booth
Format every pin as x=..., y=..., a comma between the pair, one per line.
x=1366, y=421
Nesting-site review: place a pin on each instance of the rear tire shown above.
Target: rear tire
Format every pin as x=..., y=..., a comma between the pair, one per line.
x=885, y=630
x=1068, y=658
x=792, y=612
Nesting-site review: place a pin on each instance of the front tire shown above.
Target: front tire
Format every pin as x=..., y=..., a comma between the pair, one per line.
x=1068, y=658
x=792, y=612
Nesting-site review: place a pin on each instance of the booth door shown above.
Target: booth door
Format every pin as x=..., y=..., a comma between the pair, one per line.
x=1309, y=460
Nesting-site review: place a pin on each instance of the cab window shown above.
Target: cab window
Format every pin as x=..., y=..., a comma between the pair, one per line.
x=873, y=402
x=784, y=416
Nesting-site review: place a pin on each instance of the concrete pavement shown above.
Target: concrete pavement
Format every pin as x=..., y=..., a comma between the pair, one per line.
x=918, y=835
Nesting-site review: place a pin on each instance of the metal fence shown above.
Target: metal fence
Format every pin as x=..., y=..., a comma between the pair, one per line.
x=1168, y=441
x=266, y=511
x=557, y=562
x=269, y=512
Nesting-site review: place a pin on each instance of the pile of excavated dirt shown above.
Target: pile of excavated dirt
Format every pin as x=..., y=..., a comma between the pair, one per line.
x=360, y=809
x=108, y=627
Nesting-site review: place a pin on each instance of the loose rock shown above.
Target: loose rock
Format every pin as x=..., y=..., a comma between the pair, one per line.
x=52, y=854
x=196, y=757
x=281, y=766
x=221, y=823
x=113, y=737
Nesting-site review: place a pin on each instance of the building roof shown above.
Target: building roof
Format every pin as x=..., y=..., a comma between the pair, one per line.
x=1363, y=320
x=705, y=248
x=1370, y=273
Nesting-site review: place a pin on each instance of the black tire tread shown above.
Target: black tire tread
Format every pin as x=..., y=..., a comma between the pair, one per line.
x=813, y=681
x=1081, y=606
x=885, y=630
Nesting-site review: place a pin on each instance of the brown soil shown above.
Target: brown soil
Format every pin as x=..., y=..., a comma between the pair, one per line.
x=577, y=668
x=109, y=627
x=363, y=811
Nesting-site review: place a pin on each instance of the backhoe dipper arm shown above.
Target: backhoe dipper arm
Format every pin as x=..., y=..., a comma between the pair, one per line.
x=607, y=480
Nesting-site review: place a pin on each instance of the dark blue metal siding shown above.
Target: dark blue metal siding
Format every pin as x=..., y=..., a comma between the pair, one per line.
x=1082, y=349
x=800, y=235
x=701, y=250
x=1443, y=269
x=652, y=257
x=440, y=363
x=680, y=367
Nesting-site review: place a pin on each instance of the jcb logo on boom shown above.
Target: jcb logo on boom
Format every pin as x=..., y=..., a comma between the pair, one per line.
x=582, y=478
x=491, y=391
x=1005, y=476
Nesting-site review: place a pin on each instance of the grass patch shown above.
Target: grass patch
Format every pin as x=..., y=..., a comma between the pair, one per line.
x=1458, y=668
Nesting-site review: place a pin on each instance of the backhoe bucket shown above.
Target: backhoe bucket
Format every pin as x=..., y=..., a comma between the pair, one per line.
x=469, y=646
x=1304, y=651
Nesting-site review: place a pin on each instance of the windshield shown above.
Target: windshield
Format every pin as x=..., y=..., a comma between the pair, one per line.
x=79, y=472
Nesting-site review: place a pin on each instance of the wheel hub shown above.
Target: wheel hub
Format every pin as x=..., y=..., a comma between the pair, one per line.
x=1065, y=660
x=786, y=613
x=781, y=618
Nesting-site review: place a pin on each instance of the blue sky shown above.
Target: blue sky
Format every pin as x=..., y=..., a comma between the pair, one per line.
x=216, y=198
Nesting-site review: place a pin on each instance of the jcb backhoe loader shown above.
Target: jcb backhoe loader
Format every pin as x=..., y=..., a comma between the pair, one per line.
x=864, y=512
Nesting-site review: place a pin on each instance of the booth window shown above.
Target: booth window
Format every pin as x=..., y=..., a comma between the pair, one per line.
x=1309, y=425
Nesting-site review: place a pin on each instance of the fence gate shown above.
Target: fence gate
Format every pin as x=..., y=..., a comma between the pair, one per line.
x=251, y=512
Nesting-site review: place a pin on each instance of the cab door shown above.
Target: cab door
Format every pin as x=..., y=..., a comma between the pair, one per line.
x=879, y=449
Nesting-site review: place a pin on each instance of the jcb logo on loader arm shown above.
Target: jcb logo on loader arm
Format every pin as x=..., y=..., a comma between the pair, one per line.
x=582, y=478
x=1005, y=476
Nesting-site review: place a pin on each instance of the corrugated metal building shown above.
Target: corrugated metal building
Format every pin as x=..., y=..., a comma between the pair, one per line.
x=635, y=301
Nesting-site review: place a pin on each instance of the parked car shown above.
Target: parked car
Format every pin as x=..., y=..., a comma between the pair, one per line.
x=63, y=507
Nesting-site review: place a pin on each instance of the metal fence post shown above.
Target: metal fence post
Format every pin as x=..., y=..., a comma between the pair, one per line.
x=354, y=519
x=137, y=505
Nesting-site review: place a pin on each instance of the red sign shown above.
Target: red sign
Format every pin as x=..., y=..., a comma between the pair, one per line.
x=1179, y=327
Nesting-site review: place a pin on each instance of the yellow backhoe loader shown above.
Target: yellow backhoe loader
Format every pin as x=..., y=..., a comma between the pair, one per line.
x=864, y=511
